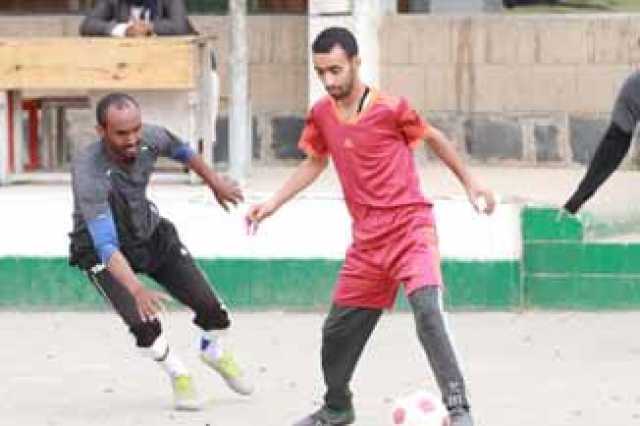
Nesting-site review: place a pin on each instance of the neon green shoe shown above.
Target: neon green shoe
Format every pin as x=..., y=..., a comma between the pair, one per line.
x=185, y=396
x=228, y=368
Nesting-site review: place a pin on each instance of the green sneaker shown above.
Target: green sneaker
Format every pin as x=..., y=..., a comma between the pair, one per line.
x=328, y=417
x=185, y=396
x=228, y=368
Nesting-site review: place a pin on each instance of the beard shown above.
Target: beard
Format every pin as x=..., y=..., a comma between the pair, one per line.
x=343, y=91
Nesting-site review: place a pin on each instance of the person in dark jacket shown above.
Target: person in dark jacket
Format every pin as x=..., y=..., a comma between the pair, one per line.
x=137, y=18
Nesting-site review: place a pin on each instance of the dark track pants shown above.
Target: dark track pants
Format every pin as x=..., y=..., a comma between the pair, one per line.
x=347, y=329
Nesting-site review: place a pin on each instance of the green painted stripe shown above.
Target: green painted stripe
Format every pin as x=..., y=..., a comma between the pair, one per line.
x=587, y=258
x=552, y=257
x=539, y=224
x=561, y=271
x=44, y=282
x=583, y=292
x=493, y=285
x=255, y=284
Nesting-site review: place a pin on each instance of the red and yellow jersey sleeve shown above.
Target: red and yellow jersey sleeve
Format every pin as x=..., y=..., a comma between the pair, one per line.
x=411, y=125
x=311, y=140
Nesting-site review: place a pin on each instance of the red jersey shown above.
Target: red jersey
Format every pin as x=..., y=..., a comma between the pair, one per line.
x=373, y=157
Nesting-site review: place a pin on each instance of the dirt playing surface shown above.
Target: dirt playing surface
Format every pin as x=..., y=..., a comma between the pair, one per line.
x=532, y=369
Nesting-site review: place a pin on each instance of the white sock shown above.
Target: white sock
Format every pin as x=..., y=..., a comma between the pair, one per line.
x=173, y=366
x=211, y=345
x=169, y=361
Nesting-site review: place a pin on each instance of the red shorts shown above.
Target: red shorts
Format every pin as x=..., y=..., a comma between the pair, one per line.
x=372, y=273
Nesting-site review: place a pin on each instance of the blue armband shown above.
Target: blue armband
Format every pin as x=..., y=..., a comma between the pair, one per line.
x=183, y=154
x=105, y=237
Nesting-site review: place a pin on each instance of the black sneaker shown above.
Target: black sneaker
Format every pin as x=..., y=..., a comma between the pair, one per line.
x=460, y=417
x=328, y=417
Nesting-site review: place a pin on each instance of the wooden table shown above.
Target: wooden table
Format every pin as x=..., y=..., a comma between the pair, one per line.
x=102, y=64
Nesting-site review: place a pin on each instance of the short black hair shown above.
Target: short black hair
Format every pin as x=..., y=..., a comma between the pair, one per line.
x=119, y=100
x=335, y=36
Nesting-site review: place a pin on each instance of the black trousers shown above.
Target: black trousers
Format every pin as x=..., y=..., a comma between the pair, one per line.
x=165, y=259
x=347, y=329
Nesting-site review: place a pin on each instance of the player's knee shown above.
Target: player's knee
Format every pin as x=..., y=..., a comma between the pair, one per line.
x=426, y=305
x=211, y=316
x=333, y=328
x=146, y=333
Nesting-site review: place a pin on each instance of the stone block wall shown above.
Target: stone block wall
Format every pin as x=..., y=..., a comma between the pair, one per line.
x=525, y=89
x=533, y=90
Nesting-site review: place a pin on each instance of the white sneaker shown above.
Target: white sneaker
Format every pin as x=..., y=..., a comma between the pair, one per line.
x=228, y=368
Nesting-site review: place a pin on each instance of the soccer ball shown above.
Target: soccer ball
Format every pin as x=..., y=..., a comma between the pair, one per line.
x=419, y=408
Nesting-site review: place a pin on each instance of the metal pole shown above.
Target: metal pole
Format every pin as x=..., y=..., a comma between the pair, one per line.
x=367, y=19
x=239, y=119
x=4, y=137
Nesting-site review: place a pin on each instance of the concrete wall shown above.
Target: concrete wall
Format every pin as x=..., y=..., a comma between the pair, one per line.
x=277, y=80
x=534, y=89
x=287, y=264
x=508, y=89
x=521, y=257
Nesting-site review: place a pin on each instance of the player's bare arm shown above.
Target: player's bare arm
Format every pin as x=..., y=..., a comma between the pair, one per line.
x=441, y=146
x=224, y=189
x=304, y=175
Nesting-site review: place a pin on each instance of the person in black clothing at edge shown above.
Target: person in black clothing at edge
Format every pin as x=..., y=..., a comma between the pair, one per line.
x=614, y=145
x=118, y=232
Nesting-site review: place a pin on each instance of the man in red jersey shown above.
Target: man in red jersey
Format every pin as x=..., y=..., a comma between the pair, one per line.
x=369, y=136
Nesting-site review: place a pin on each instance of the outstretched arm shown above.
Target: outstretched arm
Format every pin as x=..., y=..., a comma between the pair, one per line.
x=614, y=145
x=171, y=146
x=103, y=232
x=441, y=146
x=224, y=189
x=612, y=149
x=307, y=172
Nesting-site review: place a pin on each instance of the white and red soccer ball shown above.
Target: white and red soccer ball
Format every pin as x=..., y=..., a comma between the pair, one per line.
x=419, y=408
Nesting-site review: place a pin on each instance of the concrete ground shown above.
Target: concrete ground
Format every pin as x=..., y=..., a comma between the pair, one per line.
x=547, y=185
x=531, y=369
x=617, y=201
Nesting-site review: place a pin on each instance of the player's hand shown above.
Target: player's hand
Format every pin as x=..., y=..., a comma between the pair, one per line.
x=482, y=199
x=257, y=213
x=149, y=302
x=227, y=190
